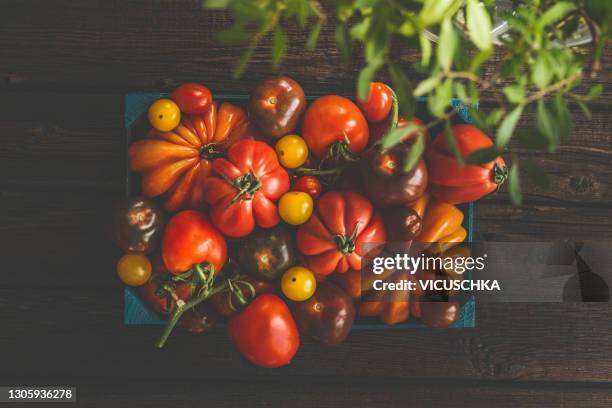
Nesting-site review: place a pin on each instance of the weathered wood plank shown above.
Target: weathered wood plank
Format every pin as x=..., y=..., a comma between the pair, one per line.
x=97, y=45
x=83, y=334
x=330, y=393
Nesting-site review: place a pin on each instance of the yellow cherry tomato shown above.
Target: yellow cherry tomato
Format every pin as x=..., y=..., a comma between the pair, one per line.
x=298, y=283
x=164, y=115
x=295, y=207
x=134, y=270
x=292, y=151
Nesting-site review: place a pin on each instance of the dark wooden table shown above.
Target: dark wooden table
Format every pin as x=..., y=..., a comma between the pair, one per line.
x=64, y=69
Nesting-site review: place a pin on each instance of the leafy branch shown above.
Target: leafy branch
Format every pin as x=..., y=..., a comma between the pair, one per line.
x=537, y=71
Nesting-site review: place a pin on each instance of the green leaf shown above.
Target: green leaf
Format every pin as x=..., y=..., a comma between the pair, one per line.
x=234, y=35
x=542, y=72
x=514, y=184
x=531, y=139
x=426, y=85
x=461, y=93
x=536, y=174
x=415, y=153
x=564, y=118
x=243, y=61
x=403, y=89
x=555, y=13
x=479, y=24
x=366, y=76
x=479, y=59
x=215, y=4
x=434, y=11
x=425, y=50
x=546, y=125
x=302, y=12
x=478, y=119
x=452, y=143
x=506, y=129
x=515, y=93
x=279, y=46
x=447, y=45
x=396, y=135
x=343, y=42
x=594, y=92
x=313, y=36
x=584, y=108
x=360, y=30
x=439, y=101
x=482, y=156
x=495, y=116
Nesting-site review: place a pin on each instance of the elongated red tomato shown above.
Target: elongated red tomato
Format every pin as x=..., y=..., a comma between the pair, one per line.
x=332, y=239
x=455, y=184
x=245, y=188
x=190, y=239
x=265, y=332
x=334, y=120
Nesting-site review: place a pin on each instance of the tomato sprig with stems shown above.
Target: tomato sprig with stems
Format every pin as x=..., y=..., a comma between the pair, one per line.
x=202, y=281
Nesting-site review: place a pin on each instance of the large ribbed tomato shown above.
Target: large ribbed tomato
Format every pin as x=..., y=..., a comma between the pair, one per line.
x=332, y=238
x=175, y=163
x=245, y=188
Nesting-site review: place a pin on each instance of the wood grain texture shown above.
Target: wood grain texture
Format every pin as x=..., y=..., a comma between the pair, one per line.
x=328, y=392
x=102, y=45
x=64, y=69
x=527, y=342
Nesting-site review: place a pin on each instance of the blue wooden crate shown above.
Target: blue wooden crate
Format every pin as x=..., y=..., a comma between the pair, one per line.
x=135, y=312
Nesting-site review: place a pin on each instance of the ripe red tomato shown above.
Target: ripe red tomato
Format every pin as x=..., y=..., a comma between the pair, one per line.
x=455, y=184
x=190, y=239
x=245, y=188
x=332, y=239
x=334, y=119
x=378, y=104
x=310, y=185
x=265, y=332
x=192, y=98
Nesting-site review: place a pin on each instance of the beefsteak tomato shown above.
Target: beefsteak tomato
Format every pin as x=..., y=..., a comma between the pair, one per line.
x=265, y=332
x=334, y=125
x=332, y=238
x=245, y=188
x=175, y=163
x=190, y=239
x=457, y=184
